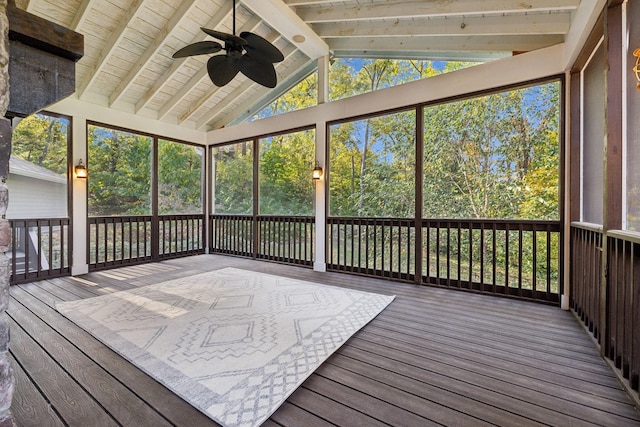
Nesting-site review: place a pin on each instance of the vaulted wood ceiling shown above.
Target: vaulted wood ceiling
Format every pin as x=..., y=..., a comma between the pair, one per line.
x=128, y=44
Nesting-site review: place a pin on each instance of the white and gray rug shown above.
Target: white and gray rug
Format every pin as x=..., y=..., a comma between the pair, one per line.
x=233, y=343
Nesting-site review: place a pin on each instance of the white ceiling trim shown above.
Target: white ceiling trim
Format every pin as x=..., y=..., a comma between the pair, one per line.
x=584, y=20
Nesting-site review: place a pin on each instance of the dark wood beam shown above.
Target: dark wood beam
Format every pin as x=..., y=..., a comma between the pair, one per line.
x=42, y=59
x=44, y=35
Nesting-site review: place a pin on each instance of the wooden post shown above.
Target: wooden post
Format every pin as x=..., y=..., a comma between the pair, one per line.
x=612, y=197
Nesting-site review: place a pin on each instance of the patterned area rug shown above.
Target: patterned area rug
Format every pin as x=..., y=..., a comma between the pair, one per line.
x=233, y=343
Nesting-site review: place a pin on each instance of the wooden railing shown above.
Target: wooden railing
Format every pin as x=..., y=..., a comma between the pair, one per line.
x=122, y=240
x=119, y=240
x=181, y=235
x=622, y=333
x=287, y=239
x=608, y=303
x=232, y=234
x=39, y=249
x=380, y=247
x=505, y=257
x=518, y=258
x=586, y=267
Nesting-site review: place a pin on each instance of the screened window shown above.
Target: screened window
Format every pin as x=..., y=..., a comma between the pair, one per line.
x=119, y=164
x=285, y=184
x=39, y=167
x=372, y=167
x=180, y=178
x=355, y=76
x=495, y=156
x=233, y=178
x=593, y=136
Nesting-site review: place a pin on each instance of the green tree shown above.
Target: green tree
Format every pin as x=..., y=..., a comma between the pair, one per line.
x=180, y=178
x=42, y=140
x=285, y=174
x=233, y=179
x=120, y=178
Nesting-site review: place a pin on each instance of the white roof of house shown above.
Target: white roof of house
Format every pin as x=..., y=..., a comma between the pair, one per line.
x=18, y=166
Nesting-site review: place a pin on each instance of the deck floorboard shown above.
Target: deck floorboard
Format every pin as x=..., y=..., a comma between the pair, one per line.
x=433, y=357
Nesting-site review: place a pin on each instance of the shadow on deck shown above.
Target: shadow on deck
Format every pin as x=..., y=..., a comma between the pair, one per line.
x=433, y=357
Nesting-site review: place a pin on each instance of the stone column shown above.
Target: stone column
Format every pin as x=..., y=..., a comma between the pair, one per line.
x=6, y=372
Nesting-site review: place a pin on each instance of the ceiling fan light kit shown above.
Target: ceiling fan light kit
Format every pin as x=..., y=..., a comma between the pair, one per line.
x=248, y=53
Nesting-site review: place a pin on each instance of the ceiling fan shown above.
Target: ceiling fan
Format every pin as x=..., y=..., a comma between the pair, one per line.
x=248, y=53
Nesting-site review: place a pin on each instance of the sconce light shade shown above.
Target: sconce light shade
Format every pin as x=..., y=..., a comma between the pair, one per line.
x=636, y=67
x=316, y=174
x=81, y=170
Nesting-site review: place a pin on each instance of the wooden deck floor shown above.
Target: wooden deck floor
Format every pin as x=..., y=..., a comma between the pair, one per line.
x=433, y=357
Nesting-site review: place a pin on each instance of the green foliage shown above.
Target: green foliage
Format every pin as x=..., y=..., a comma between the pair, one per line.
x=285, y=174
x=42, y=140
x=495, y=156
x=180, y=178
x=233, y=179
x=372, y=166
x=120, y=165
x=120, y=172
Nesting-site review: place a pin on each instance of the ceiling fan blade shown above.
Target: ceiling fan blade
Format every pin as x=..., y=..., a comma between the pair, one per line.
x=258, y=70
x=226, y=37
x=198, y=48
x=222, y=69
x=257, y=45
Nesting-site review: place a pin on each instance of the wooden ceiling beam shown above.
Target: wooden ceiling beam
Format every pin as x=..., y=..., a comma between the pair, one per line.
x=199, y=76
x=224, y=115
x=44, y=35
x=175, y=66
x=107, y=51
x=534, y=24
x=152, y=50
x=460, y=44
x=81, y=15
x=422, y=9
x=285, y=21
x=245, y=86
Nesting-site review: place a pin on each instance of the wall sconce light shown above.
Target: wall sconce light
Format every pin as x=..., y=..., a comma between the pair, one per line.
x=636, y=67
x=81, y=170
x=316, y=174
